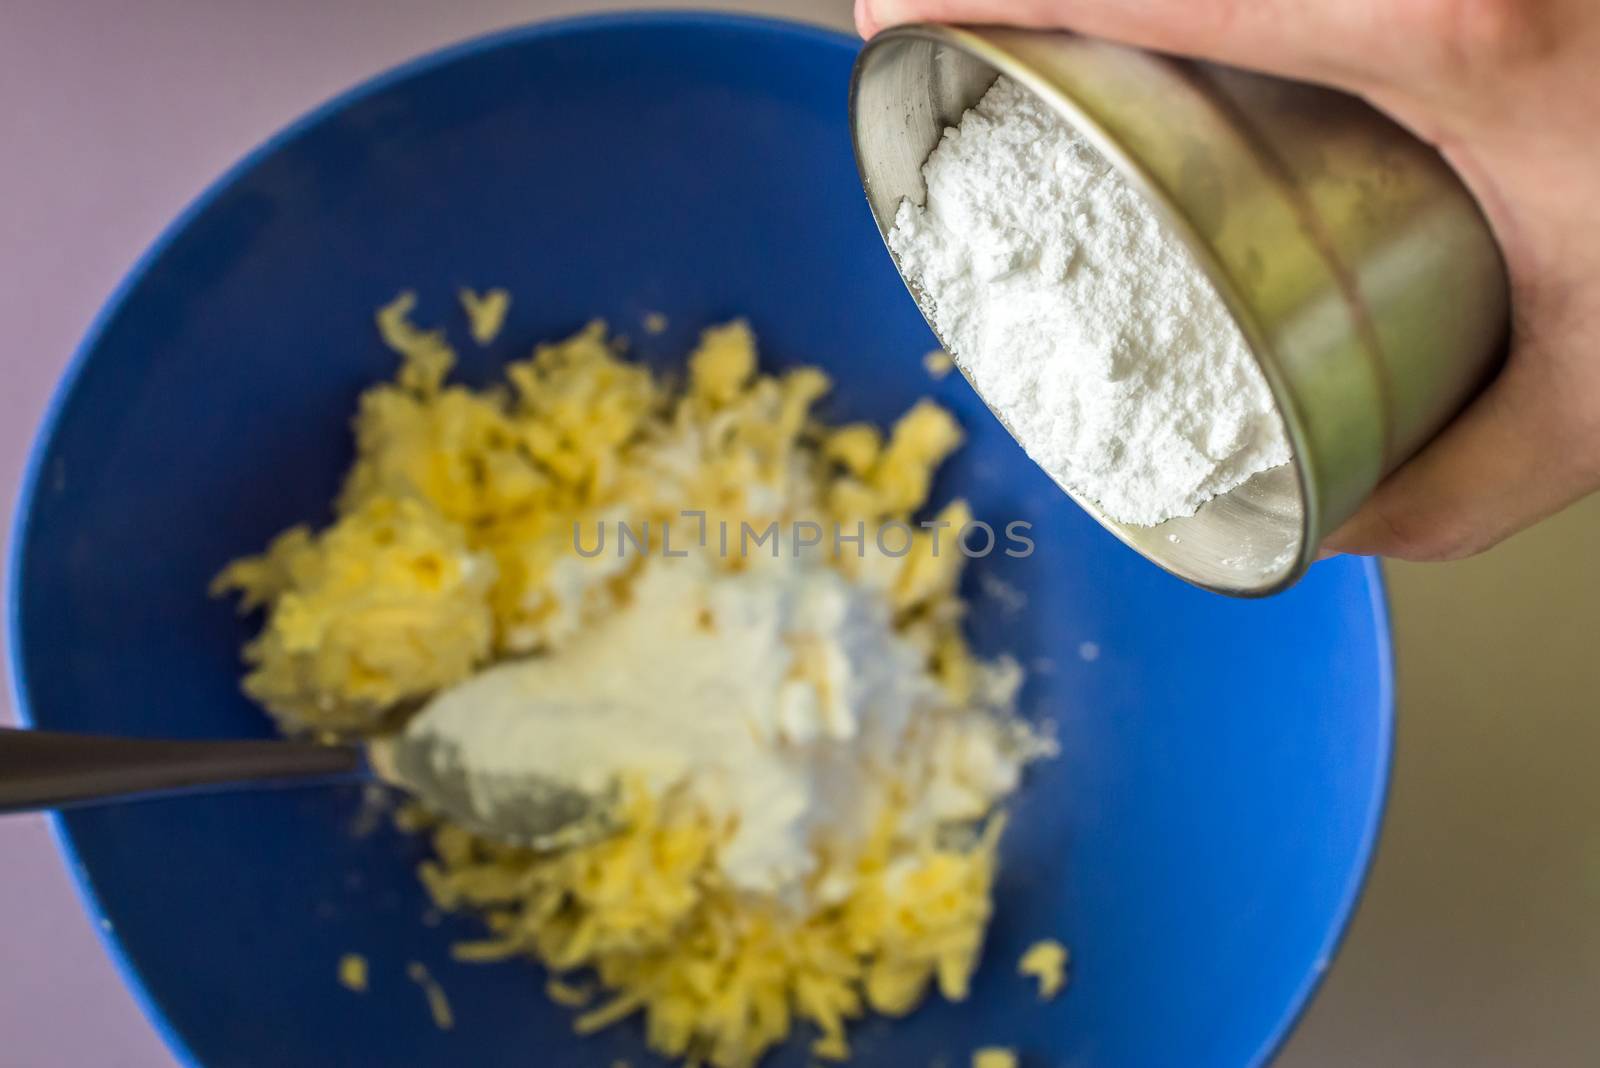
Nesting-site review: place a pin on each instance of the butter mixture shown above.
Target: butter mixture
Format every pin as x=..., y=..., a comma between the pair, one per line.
x=811, y=761
x=779, y=696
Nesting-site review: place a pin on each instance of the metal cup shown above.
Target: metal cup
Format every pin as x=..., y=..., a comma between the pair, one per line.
x=1360, y=270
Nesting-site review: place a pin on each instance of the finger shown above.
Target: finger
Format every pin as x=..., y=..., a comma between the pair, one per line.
x=1506, y=463
x=1336, y=43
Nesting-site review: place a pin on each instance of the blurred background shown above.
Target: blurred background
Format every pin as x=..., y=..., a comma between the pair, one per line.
x=1478, y=940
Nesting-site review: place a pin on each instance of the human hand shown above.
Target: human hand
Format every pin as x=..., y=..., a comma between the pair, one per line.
x=1508, y=91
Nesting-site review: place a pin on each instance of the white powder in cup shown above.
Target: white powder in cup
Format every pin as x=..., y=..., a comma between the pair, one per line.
x=1088, y=327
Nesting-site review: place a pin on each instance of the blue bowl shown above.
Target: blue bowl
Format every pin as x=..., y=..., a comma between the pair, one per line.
x=1199, y=843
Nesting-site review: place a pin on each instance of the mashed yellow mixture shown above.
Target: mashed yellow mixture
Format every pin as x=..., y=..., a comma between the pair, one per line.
x=452, y=548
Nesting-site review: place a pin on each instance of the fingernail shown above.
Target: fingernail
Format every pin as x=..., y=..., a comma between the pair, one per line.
x=864, y=18
x=881, y=14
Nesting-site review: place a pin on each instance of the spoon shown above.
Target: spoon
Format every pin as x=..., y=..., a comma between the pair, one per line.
x=47, y=770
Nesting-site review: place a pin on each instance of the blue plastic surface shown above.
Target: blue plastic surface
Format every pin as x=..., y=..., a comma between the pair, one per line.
x=1199, y=843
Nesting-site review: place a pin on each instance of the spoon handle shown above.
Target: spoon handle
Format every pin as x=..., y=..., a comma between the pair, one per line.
x=42, y=769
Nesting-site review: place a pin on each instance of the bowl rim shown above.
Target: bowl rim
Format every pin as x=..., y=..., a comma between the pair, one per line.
x=33, y=477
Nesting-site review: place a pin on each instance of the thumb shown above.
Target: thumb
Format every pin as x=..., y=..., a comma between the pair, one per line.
x=1327, y=42
x=1507, y=462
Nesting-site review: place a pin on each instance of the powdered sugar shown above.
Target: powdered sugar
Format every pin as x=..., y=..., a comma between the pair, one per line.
x=1084, y=324
x=781, y=696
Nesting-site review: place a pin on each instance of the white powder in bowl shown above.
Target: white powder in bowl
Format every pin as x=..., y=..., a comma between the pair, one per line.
x=1084, y=324
x=781, y=696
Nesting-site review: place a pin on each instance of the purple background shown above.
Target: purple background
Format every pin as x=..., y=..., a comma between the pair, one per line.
x=1479, y=940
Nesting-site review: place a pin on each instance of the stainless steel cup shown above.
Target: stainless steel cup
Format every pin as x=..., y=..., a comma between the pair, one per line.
x=1361, y=271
